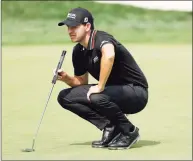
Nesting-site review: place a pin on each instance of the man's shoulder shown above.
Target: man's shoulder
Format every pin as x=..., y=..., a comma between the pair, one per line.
x=103, y=33
x=102, y=38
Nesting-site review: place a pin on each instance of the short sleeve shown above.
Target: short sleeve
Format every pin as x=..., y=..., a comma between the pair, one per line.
x=102, y=40
x=79, y=61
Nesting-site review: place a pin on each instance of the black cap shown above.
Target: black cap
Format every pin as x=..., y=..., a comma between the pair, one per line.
x=76, y=17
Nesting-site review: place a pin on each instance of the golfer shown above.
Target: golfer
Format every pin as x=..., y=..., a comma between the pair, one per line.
x=121, y=85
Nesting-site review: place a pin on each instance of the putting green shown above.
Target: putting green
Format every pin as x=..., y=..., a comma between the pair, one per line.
x=165, y=124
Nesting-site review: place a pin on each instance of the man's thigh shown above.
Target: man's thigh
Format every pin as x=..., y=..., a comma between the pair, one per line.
x=120, y=94
x=125, y=96
x=76, y=94
x=131, y=99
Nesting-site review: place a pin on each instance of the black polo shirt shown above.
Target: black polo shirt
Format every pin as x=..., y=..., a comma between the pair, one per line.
x=125, y=69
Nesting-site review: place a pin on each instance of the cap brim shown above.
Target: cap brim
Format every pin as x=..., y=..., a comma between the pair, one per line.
x=68, y=22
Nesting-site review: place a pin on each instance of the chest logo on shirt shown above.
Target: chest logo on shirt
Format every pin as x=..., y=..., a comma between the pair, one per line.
x=95, y=59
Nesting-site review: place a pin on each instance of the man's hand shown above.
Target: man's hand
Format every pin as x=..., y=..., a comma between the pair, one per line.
x=61, y=74
x=94, y=89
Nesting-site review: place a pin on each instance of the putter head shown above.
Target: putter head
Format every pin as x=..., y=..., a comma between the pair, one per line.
x=28, y=150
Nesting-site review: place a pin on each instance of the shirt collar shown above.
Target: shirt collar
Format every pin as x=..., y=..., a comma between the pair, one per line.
x=91, y=41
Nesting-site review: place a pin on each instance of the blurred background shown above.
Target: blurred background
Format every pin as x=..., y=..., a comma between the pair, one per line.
x=159, y=36
x=35, y=22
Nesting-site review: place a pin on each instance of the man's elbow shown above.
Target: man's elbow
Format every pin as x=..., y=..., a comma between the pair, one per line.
x=82, y=81
x=110, y=57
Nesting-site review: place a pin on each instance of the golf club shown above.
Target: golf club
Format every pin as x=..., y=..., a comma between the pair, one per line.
x=53, y=82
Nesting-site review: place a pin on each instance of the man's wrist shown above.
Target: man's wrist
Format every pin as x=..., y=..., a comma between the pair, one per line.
x=101, y=86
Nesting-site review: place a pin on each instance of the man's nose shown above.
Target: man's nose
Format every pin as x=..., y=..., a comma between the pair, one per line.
x=69, y=30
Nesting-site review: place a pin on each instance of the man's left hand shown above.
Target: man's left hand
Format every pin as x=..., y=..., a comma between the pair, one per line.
x=94, y=89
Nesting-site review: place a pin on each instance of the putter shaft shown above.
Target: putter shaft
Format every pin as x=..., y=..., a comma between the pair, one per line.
x=42, y=117
x=53, y=82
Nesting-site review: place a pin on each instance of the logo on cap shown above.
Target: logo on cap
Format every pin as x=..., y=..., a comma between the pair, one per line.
x=71, y=15
x=86, y=19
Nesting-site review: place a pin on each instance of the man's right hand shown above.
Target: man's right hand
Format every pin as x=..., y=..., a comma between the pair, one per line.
x=72, y=81
x=61, y=74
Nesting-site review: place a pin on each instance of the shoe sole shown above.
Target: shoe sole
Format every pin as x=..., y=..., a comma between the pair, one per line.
x=120, y=148
x=99, y=146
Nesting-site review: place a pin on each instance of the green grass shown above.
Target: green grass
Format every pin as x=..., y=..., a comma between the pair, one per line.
x=35, y=22
x=165, y=124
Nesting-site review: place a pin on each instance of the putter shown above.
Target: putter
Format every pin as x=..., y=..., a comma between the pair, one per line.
x=53, y=83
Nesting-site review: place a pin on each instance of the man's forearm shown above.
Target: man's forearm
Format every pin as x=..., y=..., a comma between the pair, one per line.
x=106, y=67
x=71, y=81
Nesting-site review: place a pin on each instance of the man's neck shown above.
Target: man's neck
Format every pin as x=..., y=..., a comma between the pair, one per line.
x=85, y=41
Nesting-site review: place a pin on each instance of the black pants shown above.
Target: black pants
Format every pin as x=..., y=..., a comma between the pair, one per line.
x=106, y=108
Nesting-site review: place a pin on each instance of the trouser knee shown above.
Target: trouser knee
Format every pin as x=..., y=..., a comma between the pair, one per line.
x=62, y=99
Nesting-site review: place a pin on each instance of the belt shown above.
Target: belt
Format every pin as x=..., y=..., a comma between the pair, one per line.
x=139, y=85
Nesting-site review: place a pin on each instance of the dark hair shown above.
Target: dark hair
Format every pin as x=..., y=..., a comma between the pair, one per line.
x=92, y=25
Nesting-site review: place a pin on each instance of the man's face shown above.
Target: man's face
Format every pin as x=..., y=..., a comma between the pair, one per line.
x=77, y=33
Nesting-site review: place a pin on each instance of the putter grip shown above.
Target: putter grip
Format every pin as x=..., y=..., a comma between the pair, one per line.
x=58, y=67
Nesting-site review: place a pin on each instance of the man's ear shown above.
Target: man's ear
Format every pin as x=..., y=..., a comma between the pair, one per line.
x=88, y=26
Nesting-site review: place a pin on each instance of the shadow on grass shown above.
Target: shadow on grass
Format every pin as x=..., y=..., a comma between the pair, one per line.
x=139, y=144
x=142, y=143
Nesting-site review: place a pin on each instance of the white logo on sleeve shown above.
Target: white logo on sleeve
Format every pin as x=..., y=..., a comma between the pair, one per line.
x=103, y=42
x=71, y=15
